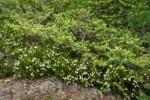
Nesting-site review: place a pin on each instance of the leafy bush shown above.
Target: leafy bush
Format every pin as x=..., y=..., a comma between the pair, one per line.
x=142, y=96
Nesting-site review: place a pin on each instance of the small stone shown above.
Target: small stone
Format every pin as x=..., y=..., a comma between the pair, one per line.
x=60, y=92
x=46, y=86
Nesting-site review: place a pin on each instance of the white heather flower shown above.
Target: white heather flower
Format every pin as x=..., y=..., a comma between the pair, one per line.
x=76, y=72
x=32, y=74
x=85, y=67
x=19, y=75
x=48, y=66
x=33, y=59
x=17, y=63
x=27, y=67
x=129, y=79
x=25, y=55
x=125, y=79
x=43, y=65
x=134, y=81
x=35, y=47
x=16, y=68
x=132, y=94
x=41, y=74
x=105, y=84
x=20, y=49
x=84, y=73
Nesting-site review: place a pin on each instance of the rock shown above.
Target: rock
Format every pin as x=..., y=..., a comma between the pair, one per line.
x=60, y=93
x=46, y=86
x=5, y=94
x=19, y=90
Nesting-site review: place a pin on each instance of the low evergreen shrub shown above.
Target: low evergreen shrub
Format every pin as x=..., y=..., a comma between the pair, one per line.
x=90, y=42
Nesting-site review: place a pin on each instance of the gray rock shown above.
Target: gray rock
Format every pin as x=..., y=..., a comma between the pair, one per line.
x=19, y=90
x=47, y=86
x=60, y=93
x=5, y=94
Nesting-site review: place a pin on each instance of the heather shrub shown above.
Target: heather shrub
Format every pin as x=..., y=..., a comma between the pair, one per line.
x=93, y=43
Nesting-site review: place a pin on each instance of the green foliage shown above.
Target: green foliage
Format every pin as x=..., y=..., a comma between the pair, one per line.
x=95, y=43
x=143, y=96
x=147, y=88
x=106, y=90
